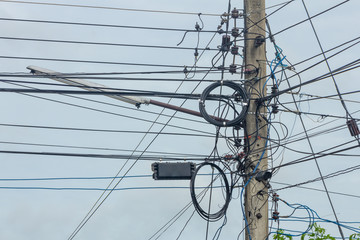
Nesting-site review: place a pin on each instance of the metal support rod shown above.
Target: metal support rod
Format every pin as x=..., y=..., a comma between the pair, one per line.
x=95, y=87
x=181, y=109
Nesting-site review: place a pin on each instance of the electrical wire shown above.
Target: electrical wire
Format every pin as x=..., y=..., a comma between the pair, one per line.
x=330, y=175
x=312, y=97
x=99, y=43
x=316, y=79
x=273, y=140
x=101, y=130
x=348, y=115
x=109, y=8
x=97, y=101
x=88, y=76
x=99, y=25
x=140, y=157
x=98, y=203
x=312, y=17
x=107, y=112
x=110, y=63
x=207, y=215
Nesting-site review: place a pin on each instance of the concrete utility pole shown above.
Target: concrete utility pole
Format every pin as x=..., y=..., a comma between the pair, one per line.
x=256, y=192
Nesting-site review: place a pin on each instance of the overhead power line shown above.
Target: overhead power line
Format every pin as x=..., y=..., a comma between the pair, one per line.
x=312, y=97
x=110, y=8
x=330, y=175
x=140, y=157
x=314, y=16
x=108, y=112
x=86, y=76
x=115, y=92
x=346, y=67
x=101, y=43
x=104, y=196
x=179, y=155
x=103, y=25
x=318, y=155
x=322, y=115
x=102, y=130
x=110, y=63
x=319, y=190
x=90, y=188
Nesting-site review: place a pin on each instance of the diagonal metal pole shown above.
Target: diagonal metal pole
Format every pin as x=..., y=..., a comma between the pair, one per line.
x=91, y=86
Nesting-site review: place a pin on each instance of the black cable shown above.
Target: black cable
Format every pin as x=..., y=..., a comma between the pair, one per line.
x=104, y=93
x=268, y=15
x=140, y=157
x=88, y=76
x=101, y=102
x=110, y=63
x=100, y=43
x=348, y=115
x=75, y=75
x=102, y=130
x=323, y=115
x=179, y=155
x=318, y=155
x=331, y=49
x=112, y=113
x=314, y=97
x=319, y=62
x=321, y=77
x=101, y=25
x=168, y=224
x=316, y=161
x=319, y=190
x=97, y=204
x=330, y=175
x=240, y=96
x=205, y=215
x=313, y=152
x=109, y=8
x=338, y=127
x=187, y=222
x=315, y=134
x=309, y=153
x=316, y=15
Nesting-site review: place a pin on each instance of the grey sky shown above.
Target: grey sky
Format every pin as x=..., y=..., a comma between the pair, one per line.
x=139, y=213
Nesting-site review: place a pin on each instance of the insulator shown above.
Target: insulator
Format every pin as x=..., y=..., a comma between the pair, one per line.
x=275, y=109
x=353, y=127
x=225, y=43
x=232, y=68
x=275, y=215
x=235, y=32
x=235, y=13
x=234, y=50
x=259, y=40
x=274, y=90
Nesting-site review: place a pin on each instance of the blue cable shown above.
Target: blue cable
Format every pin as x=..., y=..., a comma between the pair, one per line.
x=273, y=71
x=257, y=165
x=313, y=218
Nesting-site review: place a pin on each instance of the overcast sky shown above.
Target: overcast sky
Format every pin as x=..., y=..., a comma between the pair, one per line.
x=51, y=197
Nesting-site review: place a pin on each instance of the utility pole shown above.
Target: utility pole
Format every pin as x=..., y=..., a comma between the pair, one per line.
x=256, y=191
